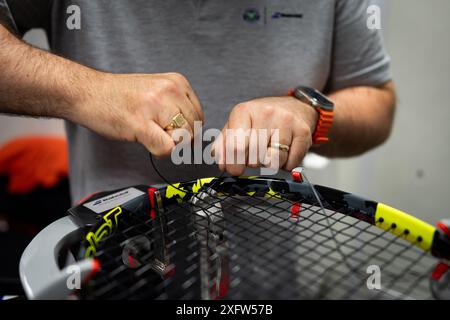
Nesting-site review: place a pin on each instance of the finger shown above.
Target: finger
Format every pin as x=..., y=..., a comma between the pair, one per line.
x=166, y=117
x=156, y=140
x=184, y=106
x=170, y=107
x=277, y=157
x=219, y=149
x=259, y=140
x=189, y=112
x=237, y=140
x=298, y=151
x=165, y=112
x=183, y=134
x=190, y=94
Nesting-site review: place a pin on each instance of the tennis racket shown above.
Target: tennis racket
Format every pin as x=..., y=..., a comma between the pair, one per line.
x=237, y=238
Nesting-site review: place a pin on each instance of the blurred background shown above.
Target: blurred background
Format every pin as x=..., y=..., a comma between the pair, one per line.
x=409, y=172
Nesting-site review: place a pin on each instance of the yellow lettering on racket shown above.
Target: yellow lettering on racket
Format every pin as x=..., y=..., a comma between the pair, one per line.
x=94, y=238
x=405, y=226
x=200, y=183
x=273, y=194
x=175, y=191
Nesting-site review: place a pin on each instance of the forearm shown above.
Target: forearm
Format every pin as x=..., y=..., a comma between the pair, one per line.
x=363, y=120
x=125, y=107
x=37, y=83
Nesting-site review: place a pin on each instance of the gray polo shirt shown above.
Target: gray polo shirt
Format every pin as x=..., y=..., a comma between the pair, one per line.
x=230, y=50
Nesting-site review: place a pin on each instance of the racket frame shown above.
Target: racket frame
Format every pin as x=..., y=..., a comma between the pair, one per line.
x=43, y=278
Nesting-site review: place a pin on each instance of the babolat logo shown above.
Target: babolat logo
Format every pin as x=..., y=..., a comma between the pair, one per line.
x=251, y=15
x=113, y=200
x=264, y=15
x=114, y=196
x=279, y=15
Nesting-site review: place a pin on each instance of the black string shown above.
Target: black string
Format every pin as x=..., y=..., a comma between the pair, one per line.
x=257, y=232
x=264, y=243
x=171, y=184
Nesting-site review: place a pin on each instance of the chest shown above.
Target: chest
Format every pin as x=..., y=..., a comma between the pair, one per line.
x=269, y=44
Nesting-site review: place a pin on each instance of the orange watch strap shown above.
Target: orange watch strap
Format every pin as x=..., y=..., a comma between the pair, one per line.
x=323, y=126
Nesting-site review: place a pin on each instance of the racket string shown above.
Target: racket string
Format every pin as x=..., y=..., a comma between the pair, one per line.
x=345, y=257
x=266, y=252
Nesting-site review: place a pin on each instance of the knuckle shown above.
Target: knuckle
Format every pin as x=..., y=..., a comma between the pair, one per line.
x=286, y=118
x=268, y=111
x=241, y=107
x=169, y=85
x=151, y=98
x=178, y=77
x=306, y=130
x=303, y=130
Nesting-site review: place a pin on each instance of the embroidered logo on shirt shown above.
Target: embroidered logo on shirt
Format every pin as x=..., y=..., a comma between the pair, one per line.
x=251, y=15
x=279, y=15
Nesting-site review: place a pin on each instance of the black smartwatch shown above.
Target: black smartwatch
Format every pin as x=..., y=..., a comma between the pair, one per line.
x=323, y=105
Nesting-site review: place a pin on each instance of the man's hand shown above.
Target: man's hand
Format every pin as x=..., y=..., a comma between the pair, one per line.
x=134, y=107
x=138, y=108
x=293, y=120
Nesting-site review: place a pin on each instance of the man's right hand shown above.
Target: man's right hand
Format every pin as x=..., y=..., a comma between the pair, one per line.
x=138, y=108
x=134, y=107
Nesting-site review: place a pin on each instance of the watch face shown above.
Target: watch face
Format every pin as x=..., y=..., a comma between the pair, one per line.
x=315, y=97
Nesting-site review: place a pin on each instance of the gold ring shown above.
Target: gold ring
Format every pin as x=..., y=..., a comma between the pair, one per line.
x=177, y=122
x=280, y=146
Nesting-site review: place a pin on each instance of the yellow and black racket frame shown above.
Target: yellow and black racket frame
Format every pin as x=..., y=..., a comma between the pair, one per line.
x=153, y=199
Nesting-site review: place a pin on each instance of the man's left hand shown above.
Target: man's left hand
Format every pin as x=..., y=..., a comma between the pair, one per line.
x=285, y=118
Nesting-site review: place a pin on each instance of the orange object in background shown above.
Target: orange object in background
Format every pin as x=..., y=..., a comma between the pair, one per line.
x=34, y=192
x=32, y=162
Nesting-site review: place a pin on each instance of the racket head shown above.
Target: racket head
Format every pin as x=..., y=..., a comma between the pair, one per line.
x=255, y=238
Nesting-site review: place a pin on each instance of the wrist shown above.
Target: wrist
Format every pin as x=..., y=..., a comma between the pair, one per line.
x=308, y=114
x=90, y=90
x=324, y=108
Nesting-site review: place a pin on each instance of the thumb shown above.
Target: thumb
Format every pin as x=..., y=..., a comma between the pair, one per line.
x=157, y=141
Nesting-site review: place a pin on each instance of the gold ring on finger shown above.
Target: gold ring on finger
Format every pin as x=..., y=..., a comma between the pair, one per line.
x=280, y=146
x=177, y=122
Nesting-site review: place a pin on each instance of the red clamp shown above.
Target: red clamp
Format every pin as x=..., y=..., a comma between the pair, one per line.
x=296, y=207
x=297, y=174
x=151, y=197
x=439, y=271
x=444, y=226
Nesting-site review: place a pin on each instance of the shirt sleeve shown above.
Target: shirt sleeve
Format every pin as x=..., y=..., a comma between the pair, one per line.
x=359, y=56
x=6, y=18
x=22, y=15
